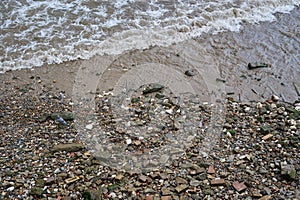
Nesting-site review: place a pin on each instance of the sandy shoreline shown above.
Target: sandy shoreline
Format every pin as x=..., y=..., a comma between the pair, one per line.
x=227, y=53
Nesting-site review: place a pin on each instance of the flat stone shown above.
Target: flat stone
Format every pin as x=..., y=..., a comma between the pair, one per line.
x=195, y=183
x=166, y=191
x=67, y=147
x=216, y=182
x=256, y=194
x=211, y=170
x=268, y=136
x=153, y=88
x=239, y=186
x=267, y=197
x=143, y=178
x=149, y=197
x=181, y=188
x=180, y=180
x=119, y=177
x=200, y=170
x=71, y=180
x=166, y=198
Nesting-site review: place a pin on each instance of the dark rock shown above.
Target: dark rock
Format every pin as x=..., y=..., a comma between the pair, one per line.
x=36, y=191
x=92, y=195
x=154, y=87
x=257, y=65
x=265, y=129
x=143, y=178
x=40, y=182
x=72, y=147
x=68, y=116
x=288, y=171
x=190, y=72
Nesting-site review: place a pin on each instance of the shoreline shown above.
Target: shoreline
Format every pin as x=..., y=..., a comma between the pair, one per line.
x=256, y=156
x=228, y=52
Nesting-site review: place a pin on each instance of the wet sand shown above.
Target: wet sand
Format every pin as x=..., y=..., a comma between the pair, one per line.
x=221, y=58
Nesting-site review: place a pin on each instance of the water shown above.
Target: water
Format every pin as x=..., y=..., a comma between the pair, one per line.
x=34, y=33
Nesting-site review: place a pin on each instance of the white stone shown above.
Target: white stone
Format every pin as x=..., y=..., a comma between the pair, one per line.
x=275, y=98
x=128, y=141
x=273, y=106
x=89, y=126
x=229, y=134
x=247, y=109
x=258, y=105
x=10, y=188
x=169, y=111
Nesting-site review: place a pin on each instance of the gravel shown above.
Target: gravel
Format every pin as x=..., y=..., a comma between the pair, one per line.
x=256, y=157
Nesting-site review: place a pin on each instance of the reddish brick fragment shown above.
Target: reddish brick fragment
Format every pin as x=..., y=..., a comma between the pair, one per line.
x=211, y=170
x=239, y=186
x=217, y=182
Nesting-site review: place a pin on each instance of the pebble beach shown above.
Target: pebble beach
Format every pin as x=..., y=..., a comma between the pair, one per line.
x=150, y=100
x=256, y=156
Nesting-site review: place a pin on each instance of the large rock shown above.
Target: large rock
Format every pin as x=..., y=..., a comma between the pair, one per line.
x=36, y=191
x=67, y=147
x=155, y=87
x=288, y=171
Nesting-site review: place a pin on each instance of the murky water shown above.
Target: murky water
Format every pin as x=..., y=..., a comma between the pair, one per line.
x=33, y=33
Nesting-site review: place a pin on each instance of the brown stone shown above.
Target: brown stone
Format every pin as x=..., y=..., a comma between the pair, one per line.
x=165, y=191
x=71, y=180
x=149, y=197
x=166, y=198
x=217, y=182
x=180, y=181
x=143, y=178
x=72, y=147
x=239, y=186
x=268, y=136
x=200, y=170
x=119, y=177
x=211, y=170
x=181, y=188
x=267, y=197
